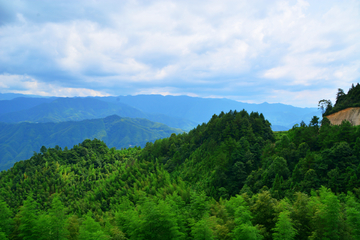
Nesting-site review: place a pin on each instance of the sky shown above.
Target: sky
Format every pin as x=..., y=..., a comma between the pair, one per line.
x=291, y=52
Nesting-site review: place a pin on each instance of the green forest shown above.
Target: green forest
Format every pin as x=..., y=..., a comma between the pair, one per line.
x=230, y=178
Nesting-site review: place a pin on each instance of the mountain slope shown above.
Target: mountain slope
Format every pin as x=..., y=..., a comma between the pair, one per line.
x=19, y=141
x=351, y=114
x=345, y=100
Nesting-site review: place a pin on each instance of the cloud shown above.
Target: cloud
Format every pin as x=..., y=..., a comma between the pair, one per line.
x=247, y=51
x=28, y=85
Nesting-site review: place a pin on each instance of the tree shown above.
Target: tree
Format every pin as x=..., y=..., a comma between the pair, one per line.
x=326, y=221
x=199, y=205
x=263, y=209
x=339, y=95
x=201, y=230
x=73, y=227
x=325, y=105
x=91, y=230
x=2, y=235
x=314, y=121
x=27, y=216
x=276, y=188
x=284, y=229
x=57, y=219
x=244, y=228
x=353, y=215
x=43, y=149
x=278, y=166
x=42, y=226
x=157, y=221
x=300, y=215
x=6, y=223
x=248, y=232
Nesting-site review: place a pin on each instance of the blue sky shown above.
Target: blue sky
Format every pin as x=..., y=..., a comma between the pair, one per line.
x=292, y=52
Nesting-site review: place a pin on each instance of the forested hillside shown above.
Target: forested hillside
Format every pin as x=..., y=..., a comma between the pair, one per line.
x=343, y=100
x=19, y=141
x=230, y=178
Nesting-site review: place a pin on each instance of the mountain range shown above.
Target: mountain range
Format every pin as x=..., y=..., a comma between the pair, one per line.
x=28, y=123
x=200, y=110
x=76, y=109
x=175, y=111
x=19, y=141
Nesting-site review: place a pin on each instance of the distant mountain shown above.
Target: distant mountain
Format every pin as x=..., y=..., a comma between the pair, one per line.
x=175, y=111
x=19, y=141
x=77, y=109
x=21, y=103
x=200, y=110
x=9, y=96
x=70, y=109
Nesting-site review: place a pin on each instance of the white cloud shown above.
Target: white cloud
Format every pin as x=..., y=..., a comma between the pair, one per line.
x=319, y=47
x=305, y=98
x=28, y=85
x=135, y=45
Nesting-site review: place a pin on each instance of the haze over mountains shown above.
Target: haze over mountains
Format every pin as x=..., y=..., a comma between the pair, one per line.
x=27, y=123
x=175, y=111
x=200, y=110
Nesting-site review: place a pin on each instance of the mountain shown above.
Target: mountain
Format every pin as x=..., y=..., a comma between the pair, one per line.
x=175, y=111
x=19, y=141
x=70, y=109
x=21, y=103
x=77, y=109
x=200, y=110
x=9, y=96
x=229, y=178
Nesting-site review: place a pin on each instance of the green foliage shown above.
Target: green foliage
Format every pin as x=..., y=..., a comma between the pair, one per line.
x=284, y=229
x=3, y=236
x=42, y=228
x=218, y=155
x=244, y=228
x=28, y=217
x=201, y=230
x=158, y=222
x=91, y=230
x=353, y=215
x=6, y=222
x=327, y=217
x=57, y=220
